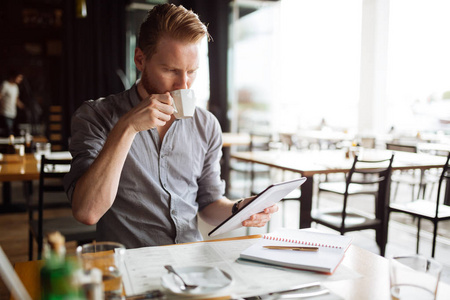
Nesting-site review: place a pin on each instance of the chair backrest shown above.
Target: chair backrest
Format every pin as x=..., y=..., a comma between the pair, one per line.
x=368, y=142
x=260, y=141
x=55, y=127
x=373, y=172
x=401, y=147
x=287, y=140
x=444, y=185
x=50, y=180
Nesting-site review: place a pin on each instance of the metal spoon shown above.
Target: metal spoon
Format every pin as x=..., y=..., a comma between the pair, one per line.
x=185, y=286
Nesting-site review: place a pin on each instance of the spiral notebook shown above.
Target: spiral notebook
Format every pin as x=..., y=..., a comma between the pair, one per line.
x=331, y=250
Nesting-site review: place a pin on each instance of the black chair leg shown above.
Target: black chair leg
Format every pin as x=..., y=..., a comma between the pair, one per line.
x=30, y=246
x=434, y=238
x=418, y=235
x=40, y=247
x=381, y=239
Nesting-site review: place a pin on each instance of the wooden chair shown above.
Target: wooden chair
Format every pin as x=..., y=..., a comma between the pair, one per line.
x=374, y=180
x=55, y=128
x=50, y=183
x=434, y=210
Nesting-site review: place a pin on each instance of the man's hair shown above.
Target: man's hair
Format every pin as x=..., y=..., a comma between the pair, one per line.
x=168, y=20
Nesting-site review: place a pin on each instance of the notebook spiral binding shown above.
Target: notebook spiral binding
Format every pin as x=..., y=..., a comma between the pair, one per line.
x=305, y=243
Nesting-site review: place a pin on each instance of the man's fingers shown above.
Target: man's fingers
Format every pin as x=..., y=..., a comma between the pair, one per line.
x=272, y=209
x=163, y=116
x=257, y=220
x=162, y=103
x=260, y=219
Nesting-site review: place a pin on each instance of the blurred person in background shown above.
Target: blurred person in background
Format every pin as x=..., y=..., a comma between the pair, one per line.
x=9, y=101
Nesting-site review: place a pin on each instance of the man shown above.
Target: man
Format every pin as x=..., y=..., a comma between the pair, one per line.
x=9, y=101
x=137, y=172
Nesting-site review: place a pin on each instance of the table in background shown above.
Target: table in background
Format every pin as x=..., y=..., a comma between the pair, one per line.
x=16, y=168
x=310, y=163
x=21, y=140
x=235, y=139
x=21, y=168
x=327, y=137
x=13, y=167
x=372, y=285
x=433, y=147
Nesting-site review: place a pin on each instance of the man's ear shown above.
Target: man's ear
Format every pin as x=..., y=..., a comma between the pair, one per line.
x=139, y=59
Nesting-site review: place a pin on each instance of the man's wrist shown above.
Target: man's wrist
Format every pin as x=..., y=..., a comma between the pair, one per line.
x=236, y=207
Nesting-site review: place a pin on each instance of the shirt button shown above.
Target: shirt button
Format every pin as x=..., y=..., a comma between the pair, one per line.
x=173, y=212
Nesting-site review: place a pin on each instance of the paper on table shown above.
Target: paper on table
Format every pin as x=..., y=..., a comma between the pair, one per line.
x=209, y=280
x=59, y=155
x=145, y=266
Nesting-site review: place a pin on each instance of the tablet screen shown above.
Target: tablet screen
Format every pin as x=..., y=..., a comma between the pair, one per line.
x=271, y=195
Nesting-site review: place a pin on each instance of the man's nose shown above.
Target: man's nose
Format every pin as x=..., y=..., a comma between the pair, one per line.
x=183, y=81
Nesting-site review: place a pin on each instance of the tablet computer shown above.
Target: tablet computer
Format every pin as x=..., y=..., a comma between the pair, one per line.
x=271, y=195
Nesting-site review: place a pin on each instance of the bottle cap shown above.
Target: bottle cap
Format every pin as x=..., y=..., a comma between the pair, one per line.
x=56, y=241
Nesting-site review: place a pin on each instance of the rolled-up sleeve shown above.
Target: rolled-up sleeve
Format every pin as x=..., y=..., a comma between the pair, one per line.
x=88, y=138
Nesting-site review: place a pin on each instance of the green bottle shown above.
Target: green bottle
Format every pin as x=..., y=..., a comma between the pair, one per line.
x=57, y=275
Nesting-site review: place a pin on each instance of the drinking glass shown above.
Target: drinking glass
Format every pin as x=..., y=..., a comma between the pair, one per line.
x=414, y=277
x=43, y=149
x=108, y=258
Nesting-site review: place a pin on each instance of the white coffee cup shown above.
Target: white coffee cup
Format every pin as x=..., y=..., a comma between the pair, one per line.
x=183, y=103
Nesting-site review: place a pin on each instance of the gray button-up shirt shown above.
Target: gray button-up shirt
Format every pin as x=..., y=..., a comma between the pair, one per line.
x=161, y=188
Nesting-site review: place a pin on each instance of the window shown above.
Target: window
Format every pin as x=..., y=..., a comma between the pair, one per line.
x=253, y=63
x=295, y=63
x=419, y=65
x=320, y=50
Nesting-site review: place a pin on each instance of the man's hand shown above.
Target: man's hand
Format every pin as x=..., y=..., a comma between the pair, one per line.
x=155, y=110
x=217, y=211
x=259, y=219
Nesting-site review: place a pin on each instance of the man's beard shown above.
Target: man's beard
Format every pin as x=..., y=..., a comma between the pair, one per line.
x=145, y=81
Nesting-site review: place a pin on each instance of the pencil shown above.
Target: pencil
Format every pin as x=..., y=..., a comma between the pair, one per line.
x=295, y=248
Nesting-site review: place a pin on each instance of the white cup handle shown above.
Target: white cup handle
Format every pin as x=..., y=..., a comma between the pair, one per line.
x=174, y=106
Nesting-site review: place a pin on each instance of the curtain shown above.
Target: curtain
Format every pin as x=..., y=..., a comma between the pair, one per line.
x=93, y=52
